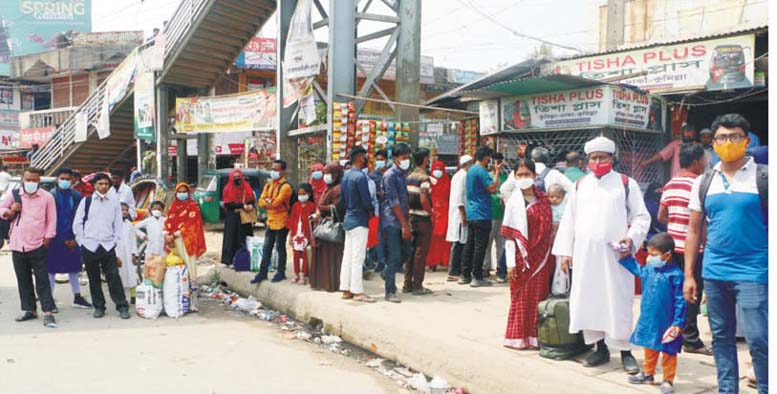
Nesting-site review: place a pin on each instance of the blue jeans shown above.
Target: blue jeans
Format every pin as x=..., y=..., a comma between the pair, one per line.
x=501, y=266
x=398, y=250
x=376, y=257
x=722, y=300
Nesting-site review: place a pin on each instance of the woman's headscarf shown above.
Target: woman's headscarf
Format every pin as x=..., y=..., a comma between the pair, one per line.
x=184, y=216
x=332, y=193
x=441, y=191
x=237, y=193
x=319, y=186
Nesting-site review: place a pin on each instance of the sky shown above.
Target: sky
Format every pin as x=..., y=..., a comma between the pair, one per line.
x=474, y=35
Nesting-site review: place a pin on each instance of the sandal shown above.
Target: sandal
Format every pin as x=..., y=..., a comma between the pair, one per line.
x=303, y=281
x=27, y=315
x=422, y=291
x=294, y=281
x=363, y=298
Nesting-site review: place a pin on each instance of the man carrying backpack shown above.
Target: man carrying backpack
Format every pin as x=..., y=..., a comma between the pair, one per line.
x=276, y=199
x=33, y=223
x=547, y=176
x=97, y=228
x=732, y=199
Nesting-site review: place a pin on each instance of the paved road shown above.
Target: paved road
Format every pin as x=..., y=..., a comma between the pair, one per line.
x=215, y=351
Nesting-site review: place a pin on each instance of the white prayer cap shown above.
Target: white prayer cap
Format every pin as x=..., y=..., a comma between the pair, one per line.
x=465, y=159
x=705, y=131
x=599, y=144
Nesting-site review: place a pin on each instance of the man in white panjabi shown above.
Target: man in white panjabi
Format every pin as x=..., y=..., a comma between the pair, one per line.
x=457, y=217
x=599, y=213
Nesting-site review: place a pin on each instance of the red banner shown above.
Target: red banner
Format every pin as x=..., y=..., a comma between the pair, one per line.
x=36, y=135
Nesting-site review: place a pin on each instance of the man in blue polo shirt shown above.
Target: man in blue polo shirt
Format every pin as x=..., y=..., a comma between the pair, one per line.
x=735, y=267
x=480, y=186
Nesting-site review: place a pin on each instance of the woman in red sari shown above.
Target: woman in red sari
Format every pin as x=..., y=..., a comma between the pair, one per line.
x=527, y=229
x=440, y=249
x=184, y=221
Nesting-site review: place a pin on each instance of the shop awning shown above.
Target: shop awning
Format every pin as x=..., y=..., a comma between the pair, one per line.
x=551, y=83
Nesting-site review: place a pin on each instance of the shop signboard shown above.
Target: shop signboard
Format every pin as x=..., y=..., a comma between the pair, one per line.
x=594, y=106
x=144, y=106
x=717, y=64
x=489, y=117
x=32, y=26
x=259, y=54
x=35, y=135
x=107, y=38
x=232, y=113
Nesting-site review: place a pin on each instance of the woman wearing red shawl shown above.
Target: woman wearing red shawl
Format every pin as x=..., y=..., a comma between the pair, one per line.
x=527, y=228
x=184, y=222
x=317, y=180
x=327, y=256
x=237, y=195
x=439, y=250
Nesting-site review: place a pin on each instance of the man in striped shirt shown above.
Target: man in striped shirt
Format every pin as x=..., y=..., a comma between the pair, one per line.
x=419, y=187
x=675, y=213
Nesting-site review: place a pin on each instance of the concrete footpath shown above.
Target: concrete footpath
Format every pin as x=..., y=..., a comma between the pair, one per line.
x=457, y=333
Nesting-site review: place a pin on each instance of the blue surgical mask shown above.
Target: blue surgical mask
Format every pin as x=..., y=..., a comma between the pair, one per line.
x=437, y=174
x=380, y=164
x=317, y=175
x=30, y=187
x=64, y=184
x=655, y=261
x=275, y=175
x=183, y=196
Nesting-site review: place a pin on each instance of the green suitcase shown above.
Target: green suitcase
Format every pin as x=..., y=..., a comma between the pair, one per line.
x=553, y=331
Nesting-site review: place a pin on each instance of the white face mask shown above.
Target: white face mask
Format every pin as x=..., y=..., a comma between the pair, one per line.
x=404, y=164
x=328, y=179
x=303, y=198
x=524, y=183
x=157, y=213
x=437, y=174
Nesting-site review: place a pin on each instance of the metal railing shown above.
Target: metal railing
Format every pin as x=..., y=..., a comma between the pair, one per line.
x=45, y=118
x=63, y=139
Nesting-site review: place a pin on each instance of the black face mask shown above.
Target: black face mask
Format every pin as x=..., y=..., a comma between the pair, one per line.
x=238, y=181
x=688, y=140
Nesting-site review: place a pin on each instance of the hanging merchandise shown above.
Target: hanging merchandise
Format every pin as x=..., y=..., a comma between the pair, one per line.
x=468, y=136
x=343, y=129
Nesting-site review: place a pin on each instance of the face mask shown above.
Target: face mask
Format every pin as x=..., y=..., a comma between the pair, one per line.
x=655, y=261
x=157, y=213
x=437, y=174
x=238, y=181
x=328, y=179
x=404, y=164
x=64, y=184
x=30, y=187
x=524, y=183
x=303, y=198
x=380, y=164
x=183, y=196
x=687, y=140
x=317, y=175
x=275, y=175
x=731, y=151
x=600, y=169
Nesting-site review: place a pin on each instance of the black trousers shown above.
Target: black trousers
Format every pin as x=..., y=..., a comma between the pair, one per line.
x=105, y=261
x=29, y=264
x=691, y=332
x=454, y=266
x=276, y=238
x=475, y=249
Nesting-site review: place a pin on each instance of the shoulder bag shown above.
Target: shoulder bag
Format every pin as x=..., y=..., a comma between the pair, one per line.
x=330, y=229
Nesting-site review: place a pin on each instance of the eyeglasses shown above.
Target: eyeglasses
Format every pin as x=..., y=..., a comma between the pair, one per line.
x=735, y=138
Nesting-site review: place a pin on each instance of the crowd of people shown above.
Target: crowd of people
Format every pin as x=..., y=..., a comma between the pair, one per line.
x=528, y=225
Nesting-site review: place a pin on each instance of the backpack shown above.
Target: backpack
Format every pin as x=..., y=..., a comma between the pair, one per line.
x=624, y=180
x=242, y=260
x=540, y=180
x=553, y=331
x=761, y=182
x=87, y=205
x=5, y=224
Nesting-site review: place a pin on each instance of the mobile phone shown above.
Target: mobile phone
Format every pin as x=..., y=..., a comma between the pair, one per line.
x=619, y=247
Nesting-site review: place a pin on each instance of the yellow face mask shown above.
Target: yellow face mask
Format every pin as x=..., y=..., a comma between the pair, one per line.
x=730, y=151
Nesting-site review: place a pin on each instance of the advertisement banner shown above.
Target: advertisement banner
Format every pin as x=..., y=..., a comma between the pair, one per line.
x=107, y=38
x=594, y=106
x=259, y=54
x=144, y=106
x=35, y=135
x=489, y=117
x=301, y=59
x=237, y=112
x=104, y=122
x=9, y=139
x=120, y=80
x=82, y=127
x=32, y=26
x=723, y=63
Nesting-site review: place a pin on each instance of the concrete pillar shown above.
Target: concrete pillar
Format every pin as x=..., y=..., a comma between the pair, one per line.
x=408, y=77
x=203, y=146
x=286, y=146
x=162, y=134
x=341, y=76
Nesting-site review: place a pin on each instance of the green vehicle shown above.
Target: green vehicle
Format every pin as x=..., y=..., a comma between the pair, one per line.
x=211, y=186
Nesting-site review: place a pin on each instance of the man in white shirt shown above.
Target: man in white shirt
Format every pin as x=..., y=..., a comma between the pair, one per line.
x=5, y=180
x=122, y=192
x=457, y=217
x=546, y=176
x=97, y=227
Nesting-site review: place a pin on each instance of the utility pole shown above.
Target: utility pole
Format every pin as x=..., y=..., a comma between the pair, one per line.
x=408, y=78
x=163, y=134
x=286, y=145
x=616, y=21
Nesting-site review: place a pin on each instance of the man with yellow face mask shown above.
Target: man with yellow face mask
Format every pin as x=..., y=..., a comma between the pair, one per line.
x=731, y=198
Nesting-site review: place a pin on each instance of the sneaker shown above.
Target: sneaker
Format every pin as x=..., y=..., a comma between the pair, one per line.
x=406, y=290
x=380, y=267
x=667, y=388
x=124, y=314
x=80, y=302
x=480, y=283
x=98, y=313
x=500, y=279
x=25, y=316
x=641, y=378
x=49, y=321
x=464, y=280
x=278, y=277
x=258, y=278
x=629, y=363
x=393, y=297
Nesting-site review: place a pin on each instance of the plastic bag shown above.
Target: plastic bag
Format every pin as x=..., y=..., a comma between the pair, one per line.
x=154, y=270
x=560, y=284
x=148, y=303
x=176, y=291
x=255, y=246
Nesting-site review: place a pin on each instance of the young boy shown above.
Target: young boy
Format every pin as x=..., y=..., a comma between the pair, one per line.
x=154, y=226
x=662, y=311
x=126, y=251
x=556, y=194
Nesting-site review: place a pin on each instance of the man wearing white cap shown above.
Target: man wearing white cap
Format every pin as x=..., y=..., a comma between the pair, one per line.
x=457, y=217
x=605, y=208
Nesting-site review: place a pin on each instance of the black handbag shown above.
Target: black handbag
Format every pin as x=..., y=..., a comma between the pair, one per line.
x=330, y=230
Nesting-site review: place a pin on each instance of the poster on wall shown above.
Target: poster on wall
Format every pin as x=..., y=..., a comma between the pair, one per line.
x=237, y=112
x=489, y=117
x=119, y=81
x=35, y=135
x=301, y=59
x=718, y=64
x=144, y=106
x=259, y=54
